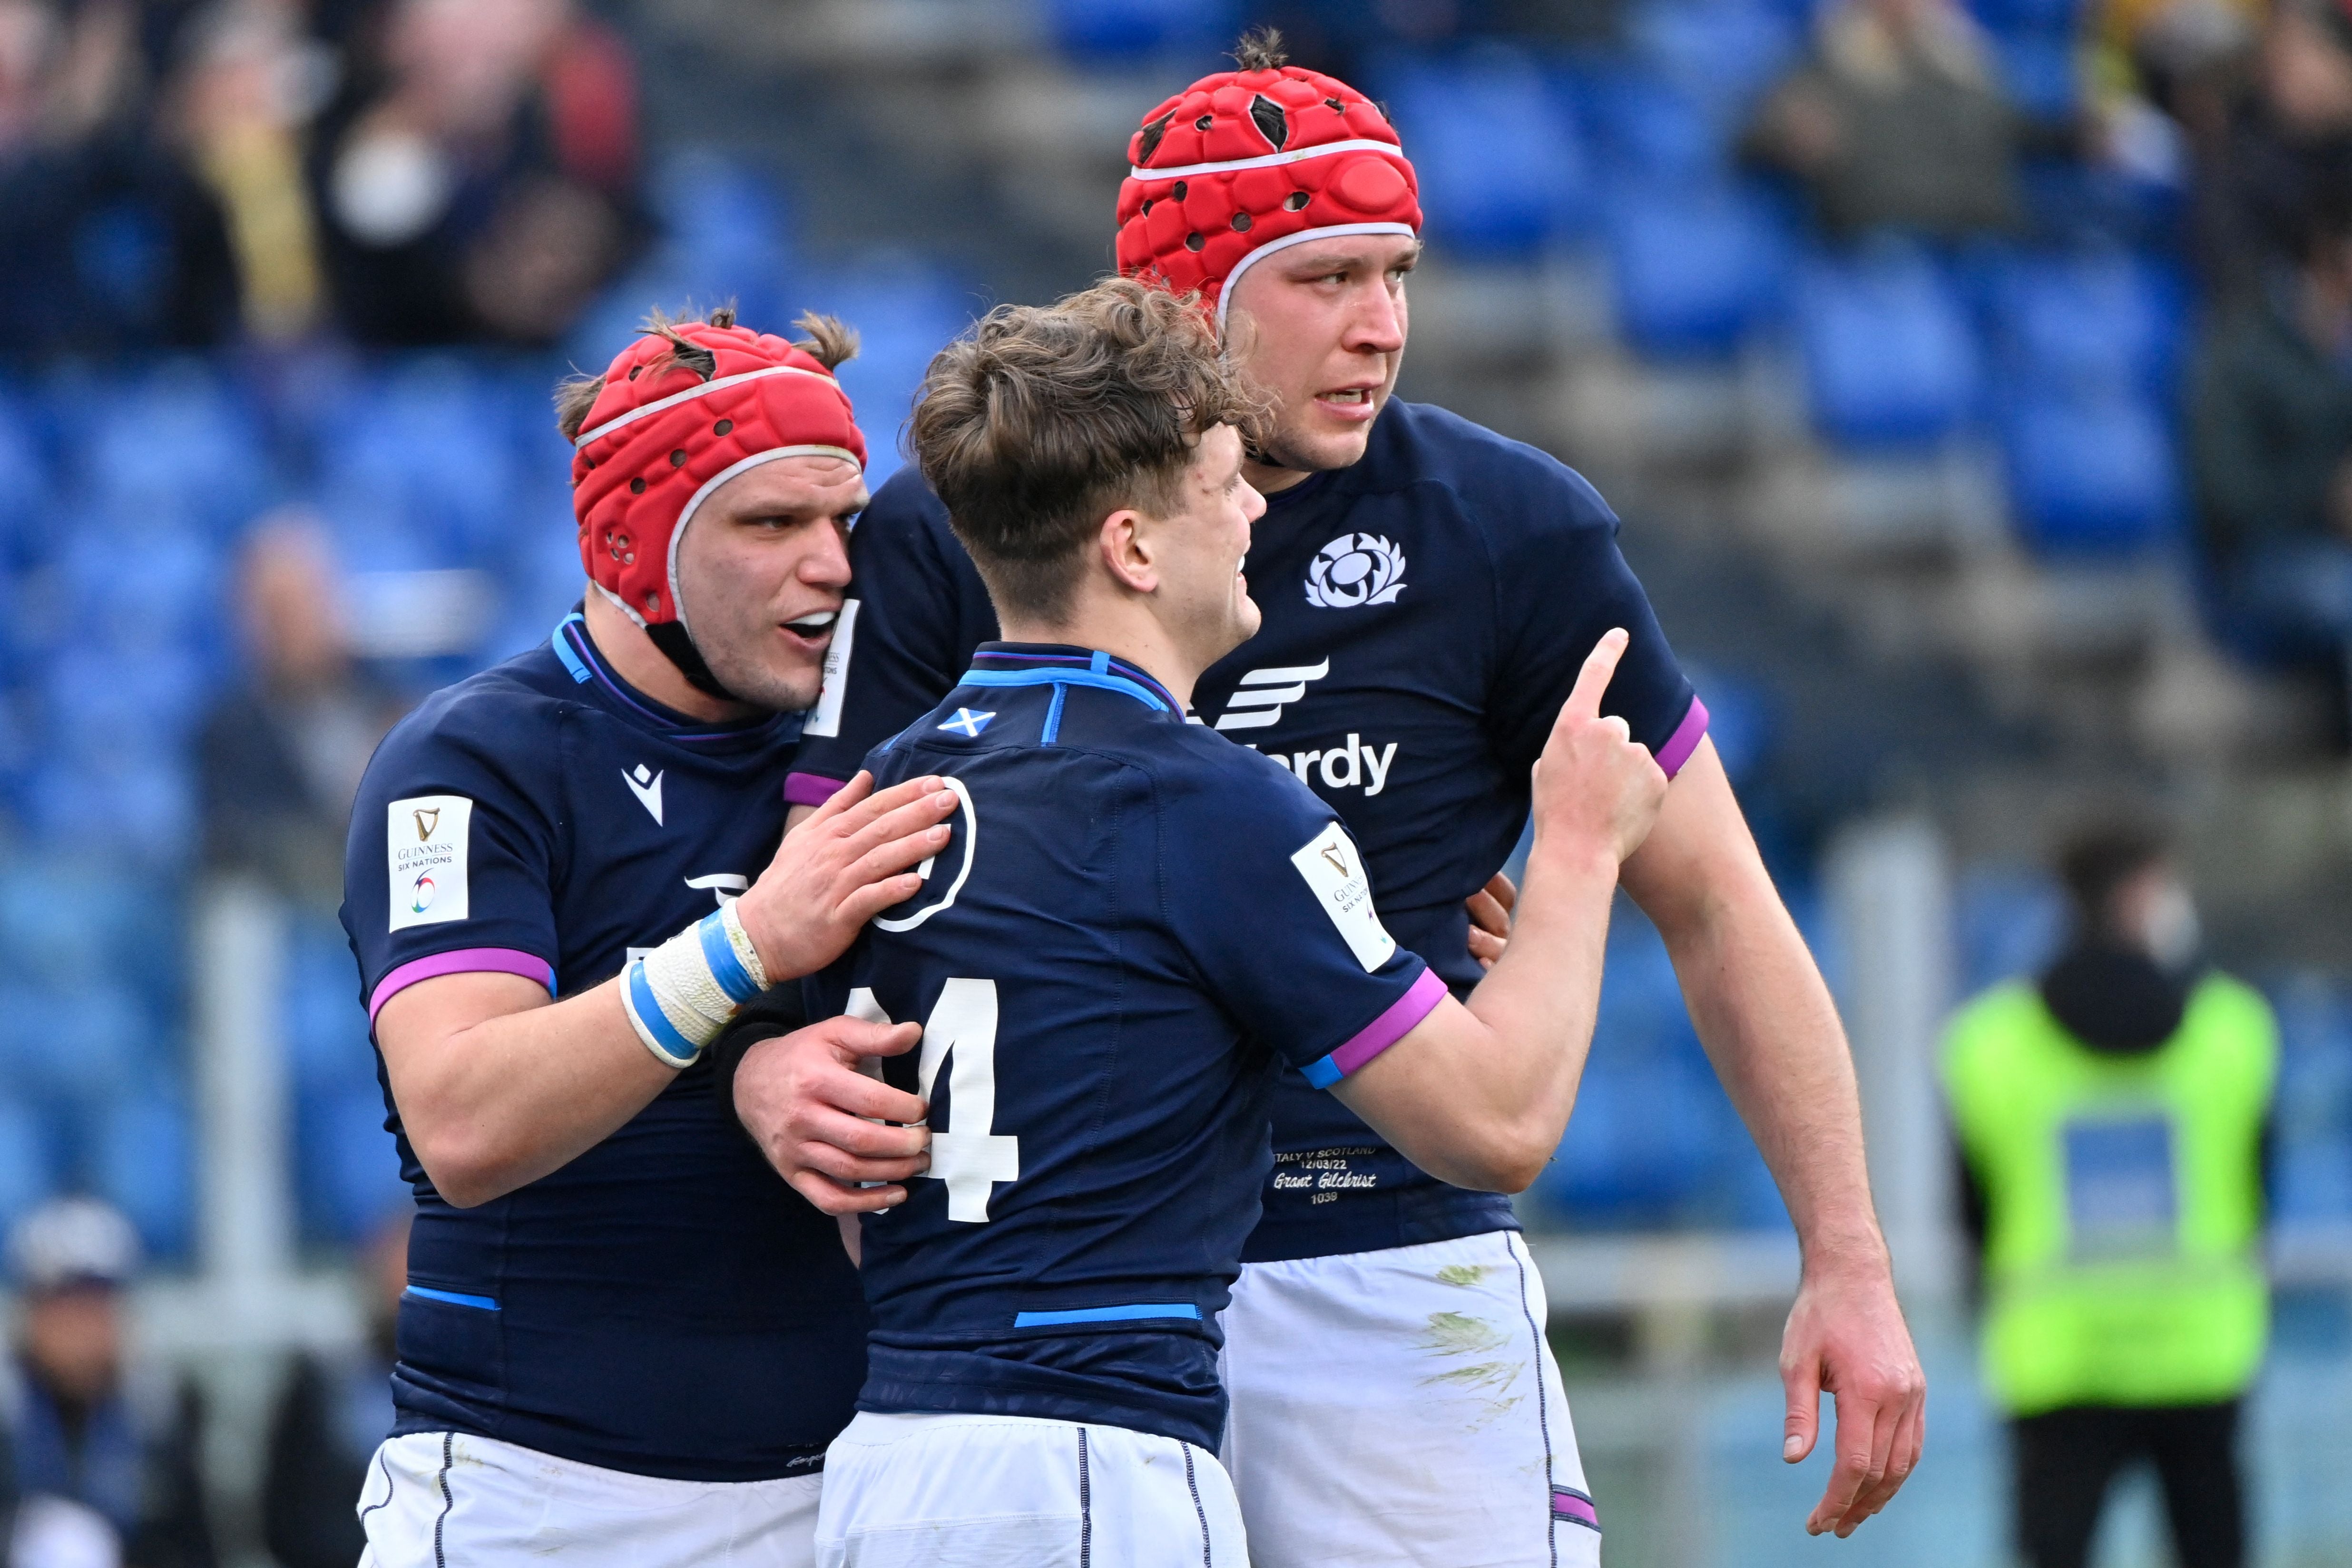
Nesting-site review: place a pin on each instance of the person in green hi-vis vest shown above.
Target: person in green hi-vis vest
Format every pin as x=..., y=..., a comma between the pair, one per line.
x=2113, y=1120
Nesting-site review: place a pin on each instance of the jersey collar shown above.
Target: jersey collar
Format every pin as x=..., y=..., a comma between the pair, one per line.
x=1050, y=664
x=589, y=668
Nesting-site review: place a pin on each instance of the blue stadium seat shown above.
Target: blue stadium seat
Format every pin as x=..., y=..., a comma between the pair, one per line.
x=2011, y=922
x=1500, y=159
x=1726, y=53
x=904, y=314
x=64, y=923
x=172, y=443
x=326, y=1027
x=1113, y=28
x=29, y=1172
x=144, y=1163
x=2091, y=472
x=132, y=586
x=420, y=468
x=2313, y=1171
x=347, y=1168
x=29, y=515
x=1646, y=129
x=76, y=1047
x=1695, y=271
x=2051, y=18
x=129, y=811
x=2040, y=72
x=103, y=704
x=2104, y=319
x=1890, y=360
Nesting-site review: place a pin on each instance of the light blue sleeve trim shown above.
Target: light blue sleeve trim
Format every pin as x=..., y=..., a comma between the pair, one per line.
x=1322, y=1073
x=726, y=964
x=483, y=1303
x=638, y=992
x=1108, y=1314
x=1119, y=683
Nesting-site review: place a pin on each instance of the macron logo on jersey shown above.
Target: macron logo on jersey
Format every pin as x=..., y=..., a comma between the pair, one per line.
x=1258, y=702
x=646, y=787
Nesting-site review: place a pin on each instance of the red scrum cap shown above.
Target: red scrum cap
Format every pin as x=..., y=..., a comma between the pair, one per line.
x=1249, y=161
x=682, y=411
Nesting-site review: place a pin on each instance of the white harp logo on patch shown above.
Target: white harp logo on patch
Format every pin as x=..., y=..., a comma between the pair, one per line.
x=1355, y=569
x=1258, y=701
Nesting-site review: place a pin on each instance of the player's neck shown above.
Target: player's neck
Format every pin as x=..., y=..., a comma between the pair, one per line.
x=1131, y=637
x=1267, y=479
x=624, y=646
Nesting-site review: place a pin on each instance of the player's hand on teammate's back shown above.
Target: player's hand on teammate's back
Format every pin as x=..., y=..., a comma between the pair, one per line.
x=1490, y=918
x=820, y=1121
x=839, y=868
x=1594, y=782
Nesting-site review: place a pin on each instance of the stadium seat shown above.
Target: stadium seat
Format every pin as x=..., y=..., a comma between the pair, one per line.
x=347, y=1167
x=2313, y=1176
x=129, y=811
x=904, y=313
x=1645, y=129
x=2011, y=922
x=420, y=468
x=144, y=1163
x=1890, y=360
x=76, y=1047
x=172, y=443
x=1694, y=270
x=2104, y=319
x=327, y=1045
x=2040, y=72
x=1096, y=29
x=2050, y=19
x=2090, y=472
x=136, y=588
x=27, y=1161
x=1724, y=53
x=1500, y=159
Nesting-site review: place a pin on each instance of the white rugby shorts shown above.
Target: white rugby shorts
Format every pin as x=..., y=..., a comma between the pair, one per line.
x=1013, y=1491
x=1402, y=1409
x=442, y=1500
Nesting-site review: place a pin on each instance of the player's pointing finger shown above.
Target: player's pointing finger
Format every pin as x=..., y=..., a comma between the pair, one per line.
x=1600, y=668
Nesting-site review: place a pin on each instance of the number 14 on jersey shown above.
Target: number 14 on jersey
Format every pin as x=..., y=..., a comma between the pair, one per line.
x=971, y=1158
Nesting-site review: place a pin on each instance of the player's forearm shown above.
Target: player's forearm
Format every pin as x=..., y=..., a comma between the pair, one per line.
x=1540, y=1001
x=493, y=1102
x=1767, y=1022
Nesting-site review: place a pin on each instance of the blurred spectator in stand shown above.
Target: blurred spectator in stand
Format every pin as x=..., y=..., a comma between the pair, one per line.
x=329, y=1419
x=105, y=239
x=2287, y=156
x=247, y=83
x=83, y=1422
x=2272, y=450
x=281, y=757
x=2194, y=61
x=1895, y=121
x=2112, y=1120
x=478, y=184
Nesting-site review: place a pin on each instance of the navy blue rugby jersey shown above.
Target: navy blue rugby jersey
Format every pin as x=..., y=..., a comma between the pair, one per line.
x=1134, y=926
x=1426, y=612
x=662, y=1305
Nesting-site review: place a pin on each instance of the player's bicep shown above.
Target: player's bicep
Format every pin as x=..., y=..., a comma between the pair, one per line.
x=1418, y=1093
x=426, y=1016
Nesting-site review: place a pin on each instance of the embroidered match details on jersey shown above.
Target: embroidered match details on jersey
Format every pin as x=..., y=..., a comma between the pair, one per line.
x=1332, y=868
x=424, y=853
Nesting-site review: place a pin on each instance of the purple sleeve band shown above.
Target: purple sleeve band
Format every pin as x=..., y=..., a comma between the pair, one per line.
x=1406, y=1011
x=810, y=789
x=1685, y=740
x=462, y=961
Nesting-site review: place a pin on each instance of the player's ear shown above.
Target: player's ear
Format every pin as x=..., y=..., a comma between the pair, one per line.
x=1127, y=549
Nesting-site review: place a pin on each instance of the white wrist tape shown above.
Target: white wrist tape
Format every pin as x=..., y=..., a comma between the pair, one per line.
x=681, y=996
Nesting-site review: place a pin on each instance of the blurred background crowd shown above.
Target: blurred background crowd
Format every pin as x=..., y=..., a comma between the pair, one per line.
x=1974, y=376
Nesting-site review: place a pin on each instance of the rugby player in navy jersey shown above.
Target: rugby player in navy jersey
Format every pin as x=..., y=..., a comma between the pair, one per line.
x=1429, y=591
x=623, y=1342
x=1135, y=925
